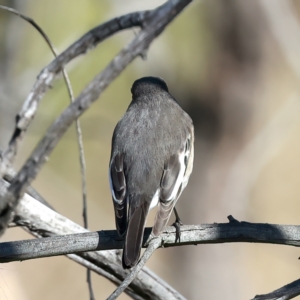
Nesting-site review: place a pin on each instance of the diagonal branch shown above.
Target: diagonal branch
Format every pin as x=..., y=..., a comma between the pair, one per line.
x=286, y=292
x=144, y=19
x=153, y=245
x=88, y=41
x=153, y=23
x=92, y=267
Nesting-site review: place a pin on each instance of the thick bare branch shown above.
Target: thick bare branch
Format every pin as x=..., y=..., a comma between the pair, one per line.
x=231, y=232
x=153, y=23
x=30, y=190
x=286, y=292
x=42, y=222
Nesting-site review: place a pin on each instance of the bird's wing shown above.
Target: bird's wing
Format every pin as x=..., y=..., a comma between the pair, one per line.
x=172, y=184
x=118, y=189
x=139, y=209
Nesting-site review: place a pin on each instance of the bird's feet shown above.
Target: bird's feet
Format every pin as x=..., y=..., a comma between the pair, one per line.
x=177, y=225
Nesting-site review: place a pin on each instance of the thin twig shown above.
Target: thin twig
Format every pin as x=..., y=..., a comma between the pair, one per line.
x=99, y=271
x=83, y=176
x=9, y=156
x=78, y=128
x=33, y=23
x=153, y=245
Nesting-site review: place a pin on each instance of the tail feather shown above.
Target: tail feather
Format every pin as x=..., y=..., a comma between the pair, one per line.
x=134, y=235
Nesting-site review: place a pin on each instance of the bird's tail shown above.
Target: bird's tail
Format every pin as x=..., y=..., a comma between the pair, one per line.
x=135, y=233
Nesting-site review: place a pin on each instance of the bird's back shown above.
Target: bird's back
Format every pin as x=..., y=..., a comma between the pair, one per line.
x=143, y=135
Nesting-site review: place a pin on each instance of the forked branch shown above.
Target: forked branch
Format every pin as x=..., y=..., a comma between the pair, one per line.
x=152, y=23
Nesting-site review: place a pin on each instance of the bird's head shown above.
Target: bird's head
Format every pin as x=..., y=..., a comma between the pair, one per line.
x=146, y=85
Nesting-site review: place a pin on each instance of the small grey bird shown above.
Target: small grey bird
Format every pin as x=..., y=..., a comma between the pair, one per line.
x=151, y=162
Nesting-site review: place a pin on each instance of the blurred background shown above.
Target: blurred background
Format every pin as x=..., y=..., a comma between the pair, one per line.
x=234, y=66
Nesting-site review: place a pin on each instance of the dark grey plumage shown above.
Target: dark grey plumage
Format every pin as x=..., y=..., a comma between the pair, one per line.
x=151, y=160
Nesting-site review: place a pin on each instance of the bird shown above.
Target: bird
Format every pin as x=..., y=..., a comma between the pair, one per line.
x=151, y=161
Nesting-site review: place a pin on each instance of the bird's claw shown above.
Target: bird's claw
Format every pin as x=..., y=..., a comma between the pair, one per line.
x=177, y=225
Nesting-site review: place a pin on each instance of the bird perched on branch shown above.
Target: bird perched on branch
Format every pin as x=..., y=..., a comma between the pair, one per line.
x=151, y=162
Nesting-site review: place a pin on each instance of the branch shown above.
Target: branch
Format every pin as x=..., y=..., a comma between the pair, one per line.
x=42, y=221
x=153, y=23
x=231, y=232
x=88, y=41
x=30, y=190
x=153, y=245
x=286, y=292
x=92, y=267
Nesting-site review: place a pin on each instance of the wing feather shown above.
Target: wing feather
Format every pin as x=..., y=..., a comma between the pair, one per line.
x=118, y=189
x=173, y=181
